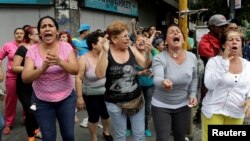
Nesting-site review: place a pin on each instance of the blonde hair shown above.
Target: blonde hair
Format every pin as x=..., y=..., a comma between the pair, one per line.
x=225, y=35
x=116, y=28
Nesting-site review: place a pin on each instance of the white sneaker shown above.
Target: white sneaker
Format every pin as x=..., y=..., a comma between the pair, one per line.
x=84, y=123
x=99, y=125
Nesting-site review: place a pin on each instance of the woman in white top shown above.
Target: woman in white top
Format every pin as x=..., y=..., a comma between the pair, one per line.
x=227, y=80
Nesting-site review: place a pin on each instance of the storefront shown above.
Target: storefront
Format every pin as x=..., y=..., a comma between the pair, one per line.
x=16, y=13
x=70, y=14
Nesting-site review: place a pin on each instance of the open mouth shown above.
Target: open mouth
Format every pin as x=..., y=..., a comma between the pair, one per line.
x=234, y=48
x=141, y=44
x=176, y=39
x=47, y=35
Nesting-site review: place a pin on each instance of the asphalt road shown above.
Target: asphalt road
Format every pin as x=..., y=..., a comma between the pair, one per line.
x=81, y=134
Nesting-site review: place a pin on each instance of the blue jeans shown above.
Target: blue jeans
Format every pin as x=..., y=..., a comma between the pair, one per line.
x=1, y=126
x=119, y=122
x=47, y=113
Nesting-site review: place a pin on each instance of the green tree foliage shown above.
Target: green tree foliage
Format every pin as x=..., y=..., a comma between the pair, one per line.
x=246, y=29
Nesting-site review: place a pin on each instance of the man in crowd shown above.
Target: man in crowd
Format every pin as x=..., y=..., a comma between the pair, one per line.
x=209, y=46
x=80, y=42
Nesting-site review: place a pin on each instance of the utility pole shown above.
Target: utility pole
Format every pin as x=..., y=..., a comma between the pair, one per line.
x=183, y=21
x=68, y=16
x=183, y=24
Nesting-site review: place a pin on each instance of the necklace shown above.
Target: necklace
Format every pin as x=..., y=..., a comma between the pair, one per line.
x=175, y=54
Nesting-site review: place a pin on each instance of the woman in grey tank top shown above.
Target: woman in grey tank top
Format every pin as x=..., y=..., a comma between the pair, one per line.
x=90, y=89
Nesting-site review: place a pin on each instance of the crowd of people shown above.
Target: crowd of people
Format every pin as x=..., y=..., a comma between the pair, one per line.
x=123, y=80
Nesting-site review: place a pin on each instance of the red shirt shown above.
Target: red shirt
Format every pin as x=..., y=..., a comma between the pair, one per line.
x=209, y=46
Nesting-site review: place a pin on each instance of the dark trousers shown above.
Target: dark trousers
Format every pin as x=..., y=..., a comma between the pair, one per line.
x=30, y=119
x=47, y=113
x=1, y=125
x=96, y=107
x=166, y=119
x=147, y=93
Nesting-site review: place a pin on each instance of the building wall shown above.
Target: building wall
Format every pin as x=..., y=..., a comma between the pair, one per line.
x=17, y=16
x=13, y=17
x=100, y=19
x=173, y=3
x=147, y=14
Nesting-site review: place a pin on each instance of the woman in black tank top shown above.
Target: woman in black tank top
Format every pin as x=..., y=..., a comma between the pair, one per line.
x=118, y=64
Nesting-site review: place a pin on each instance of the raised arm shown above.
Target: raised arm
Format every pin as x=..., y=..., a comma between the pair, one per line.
x=133, y=23
x=102, y=63
x=151, y=38
x=144, y=62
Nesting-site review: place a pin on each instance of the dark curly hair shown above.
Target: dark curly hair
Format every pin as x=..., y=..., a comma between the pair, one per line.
x=92, y=38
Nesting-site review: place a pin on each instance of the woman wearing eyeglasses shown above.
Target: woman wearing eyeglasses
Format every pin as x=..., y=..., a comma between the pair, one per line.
x=118, y=64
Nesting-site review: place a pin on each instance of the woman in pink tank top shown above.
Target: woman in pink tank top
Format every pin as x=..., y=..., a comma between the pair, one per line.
x=49, y=66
